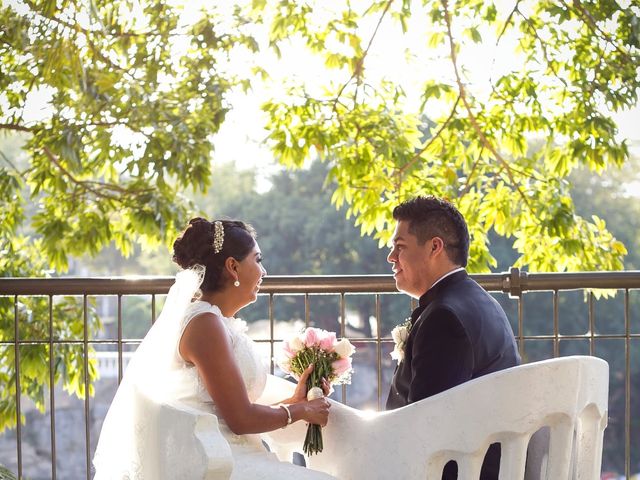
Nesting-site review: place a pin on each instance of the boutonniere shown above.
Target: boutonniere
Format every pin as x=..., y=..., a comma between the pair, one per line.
x=400, y=334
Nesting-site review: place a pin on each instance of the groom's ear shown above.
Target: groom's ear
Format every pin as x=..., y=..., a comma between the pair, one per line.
x=436, y=244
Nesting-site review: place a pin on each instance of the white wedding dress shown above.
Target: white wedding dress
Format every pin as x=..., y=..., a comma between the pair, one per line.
x=157, y=375
x=251, y=459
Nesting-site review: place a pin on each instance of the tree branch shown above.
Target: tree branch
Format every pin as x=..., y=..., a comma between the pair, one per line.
x=586, y=16
x=467, y=187
x=502, y=32
x=75, y=27
x=359, y=68
x=16, y=127
x=117, y=188
x=11, y=164
x=543, y=45
x=506, y=23
x=474, y=122
x=415, y=158
x=78, y=28
x=75, y=181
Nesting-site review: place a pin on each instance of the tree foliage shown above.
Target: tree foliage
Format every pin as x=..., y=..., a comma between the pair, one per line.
x=132, y=92
x=135, y=91
x=116, y=101
x=571, y=62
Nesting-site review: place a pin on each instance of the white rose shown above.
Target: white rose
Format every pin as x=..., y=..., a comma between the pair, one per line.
x=404, y=334
x=296, y=344
x=397, y=354
x=284, y=364
x=344, y=348
x=395, y=334
x=400, y=334
x=314, y=393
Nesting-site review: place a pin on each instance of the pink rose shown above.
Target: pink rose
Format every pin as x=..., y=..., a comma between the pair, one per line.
x=312, y=336
x=328, y=341
x=341, y=366
x=287, y=350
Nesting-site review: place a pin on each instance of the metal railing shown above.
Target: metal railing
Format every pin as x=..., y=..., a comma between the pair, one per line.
x=515, y=283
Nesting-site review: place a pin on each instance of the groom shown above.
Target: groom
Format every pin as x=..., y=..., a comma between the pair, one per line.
x=458, y=331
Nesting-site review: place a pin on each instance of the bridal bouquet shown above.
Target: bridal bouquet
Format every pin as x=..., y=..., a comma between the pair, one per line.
x=331, y=359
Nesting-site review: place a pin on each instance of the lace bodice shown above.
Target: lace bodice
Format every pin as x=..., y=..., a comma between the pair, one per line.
x=253, y=369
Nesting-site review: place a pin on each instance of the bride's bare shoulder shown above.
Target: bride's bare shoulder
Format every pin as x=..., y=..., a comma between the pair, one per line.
x=206, y=331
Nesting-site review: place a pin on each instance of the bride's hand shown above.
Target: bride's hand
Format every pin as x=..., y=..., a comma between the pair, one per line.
x=300, y=393
x=317, y=411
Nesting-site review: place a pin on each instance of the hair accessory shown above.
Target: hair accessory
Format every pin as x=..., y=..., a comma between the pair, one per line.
x=236, y=283
x=218, y=236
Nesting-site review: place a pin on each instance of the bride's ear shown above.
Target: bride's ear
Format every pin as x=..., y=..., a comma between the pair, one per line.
x=231, y=267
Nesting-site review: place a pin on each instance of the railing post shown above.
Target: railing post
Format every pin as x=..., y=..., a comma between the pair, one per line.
x=16, y=359
x=514, y=282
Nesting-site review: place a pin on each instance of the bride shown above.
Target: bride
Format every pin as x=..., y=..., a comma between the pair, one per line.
x=198, y=354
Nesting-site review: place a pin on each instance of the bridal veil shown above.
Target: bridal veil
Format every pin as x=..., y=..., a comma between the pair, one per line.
x=153, y=376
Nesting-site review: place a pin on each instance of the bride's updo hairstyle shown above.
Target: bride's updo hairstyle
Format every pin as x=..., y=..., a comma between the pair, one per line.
x=194, y=246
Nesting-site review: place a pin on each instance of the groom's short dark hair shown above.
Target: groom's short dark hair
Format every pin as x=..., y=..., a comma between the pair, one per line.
x=430, y=217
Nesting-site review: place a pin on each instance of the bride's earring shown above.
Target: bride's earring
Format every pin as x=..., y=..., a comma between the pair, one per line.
x=236, y=283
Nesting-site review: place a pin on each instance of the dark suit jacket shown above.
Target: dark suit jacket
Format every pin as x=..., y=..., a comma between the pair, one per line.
x=458, y=332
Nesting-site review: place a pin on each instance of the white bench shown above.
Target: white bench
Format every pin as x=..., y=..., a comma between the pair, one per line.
x=568, y=395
